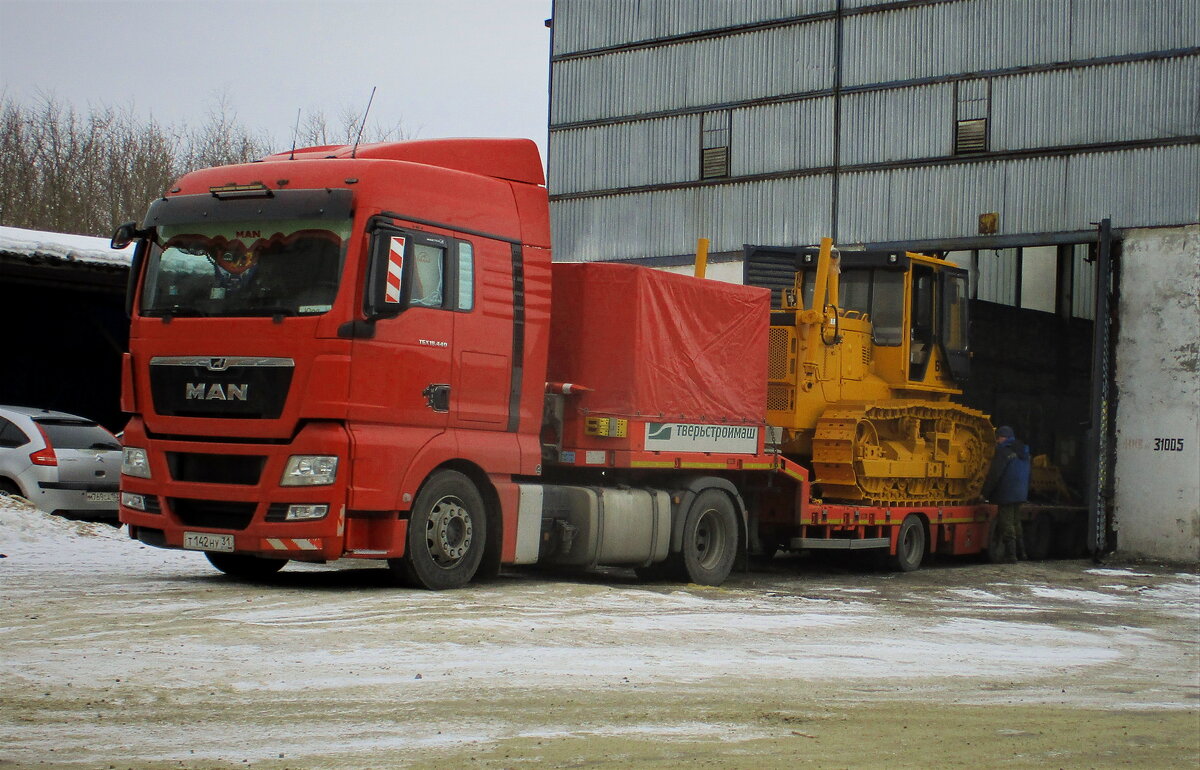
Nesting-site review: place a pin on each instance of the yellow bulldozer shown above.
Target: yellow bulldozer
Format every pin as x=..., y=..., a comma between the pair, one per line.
x=867, y=351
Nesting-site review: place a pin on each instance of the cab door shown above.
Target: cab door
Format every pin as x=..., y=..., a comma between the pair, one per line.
x=484, y=329
x=400, y=375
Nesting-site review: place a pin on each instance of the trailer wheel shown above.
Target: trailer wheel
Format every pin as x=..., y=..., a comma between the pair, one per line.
x=910, y=545
x=710, y=538
x=243, y=566
x=446, y=534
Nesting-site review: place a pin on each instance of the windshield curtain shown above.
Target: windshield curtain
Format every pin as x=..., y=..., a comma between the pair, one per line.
x=245, y=268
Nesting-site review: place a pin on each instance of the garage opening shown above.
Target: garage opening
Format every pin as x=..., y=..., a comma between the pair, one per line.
x=1033, y=338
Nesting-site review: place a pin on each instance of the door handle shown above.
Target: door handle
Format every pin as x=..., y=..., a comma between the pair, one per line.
x=437, y=397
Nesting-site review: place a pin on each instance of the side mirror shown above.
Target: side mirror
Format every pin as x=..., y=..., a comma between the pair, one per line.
x=124, y=235
x=385, y=290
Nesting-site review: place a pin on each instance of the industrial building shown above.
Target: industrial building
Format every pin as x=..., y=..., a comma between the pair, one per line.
x=1052, y=148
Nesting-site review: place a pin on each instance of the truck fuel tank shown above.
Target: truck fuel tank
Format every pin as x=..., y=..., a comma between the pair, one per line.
x=593, y=526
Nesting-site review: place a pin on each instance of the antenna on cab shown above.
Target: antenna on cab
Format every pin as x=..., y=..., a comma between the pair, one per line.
x=366, y=112
x=295, y=133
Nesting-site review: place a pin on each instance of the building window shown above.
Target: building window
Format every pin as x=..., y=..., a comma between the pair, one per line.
x=714, y=144
x=972, y=111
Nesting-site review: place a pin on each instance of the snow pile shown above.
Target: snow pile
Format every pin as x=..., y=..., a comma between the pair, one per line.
x=71, y=248
x=21, y=522
x=33, y=542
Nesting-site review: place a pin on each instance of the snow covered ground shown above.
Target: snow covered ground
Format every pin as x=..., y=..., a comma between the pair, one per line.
x=114, y=651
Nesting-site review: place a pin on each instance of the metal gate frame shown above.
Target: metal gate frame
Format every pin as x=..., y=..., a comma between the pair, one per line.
x=773, y=273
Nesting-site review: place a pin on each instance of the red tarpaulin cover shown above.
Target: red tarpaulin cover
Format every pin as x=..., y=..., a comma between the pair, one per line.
x=659, y=345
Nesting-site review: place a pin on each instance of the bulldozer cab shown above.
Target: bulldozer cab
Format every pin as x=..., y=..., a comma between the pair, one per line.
x=915, y=308
x=867, y=349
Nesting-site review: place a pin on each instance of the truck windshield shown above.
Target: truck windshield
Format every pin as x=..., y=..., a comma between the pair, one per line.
x=245, y=268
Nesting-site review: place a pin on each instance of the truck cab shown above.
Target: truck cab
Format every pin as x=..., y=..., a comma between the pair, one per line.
x=289, y=316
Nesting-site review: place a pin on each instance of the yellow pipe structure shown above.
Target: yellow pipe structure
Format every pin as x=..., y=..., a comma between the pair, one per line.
x=821, y=286
x=701, y=257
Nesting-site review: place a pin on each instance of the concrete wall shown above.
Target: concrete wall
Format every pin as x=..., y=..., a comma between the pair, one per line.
x=729, y=272
x=1157, y=473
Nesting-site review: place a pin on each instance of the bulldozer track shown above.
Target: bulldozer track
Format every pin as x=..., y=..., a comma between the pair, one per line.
x=901, y=452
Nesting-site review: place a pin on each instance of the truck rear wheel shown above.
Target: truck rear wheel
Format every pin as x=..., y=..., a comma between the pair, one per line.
x=446, y=534
x=910, y=545
x=243, y=566
x=710, y=538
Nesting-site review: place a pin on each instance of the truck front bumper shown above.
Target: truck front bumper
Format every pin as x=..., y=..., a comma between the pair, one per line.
x=227, y=496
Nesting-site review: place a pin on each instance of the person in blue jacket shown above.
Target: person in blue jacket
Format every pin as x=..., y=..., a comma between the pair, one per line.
x=1007, y=485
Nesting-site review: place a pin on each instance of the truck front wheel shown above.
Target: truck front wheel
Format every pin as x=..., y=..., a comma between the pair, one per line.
x=446, y=533
x=243, y=566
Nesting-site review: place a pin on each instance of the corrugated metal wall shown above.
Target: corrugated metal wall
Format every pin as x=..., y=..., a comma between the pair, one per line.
x=1032, y=195
x=668, y=222
x=583, y=25
x=1107, y=104
x=627, y=155
x=708, y=71
x=629, y=119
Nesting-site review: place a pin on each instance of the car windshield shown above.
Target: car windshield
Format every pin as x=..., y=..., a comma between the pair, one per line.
x=77, y=434
x=245, y=269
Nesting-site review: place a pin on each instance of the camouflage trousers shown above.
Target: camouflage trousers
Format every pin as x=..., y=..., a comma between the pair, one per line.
x=1008, y=521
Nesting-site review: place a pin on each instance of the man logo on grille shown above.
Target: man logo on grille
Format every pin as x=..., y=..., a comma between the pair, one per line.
x=215, y=392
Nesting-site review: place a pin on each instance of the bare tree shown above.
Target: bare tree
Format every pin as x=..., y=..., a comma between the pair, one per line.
x=86, y=173
x=219, y=141
x=73, y=173
x=316, y=130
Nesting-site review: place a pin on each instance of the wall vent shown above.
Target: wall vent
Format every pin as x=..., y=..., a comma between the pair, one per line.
x=970, y=136
x=714, y=162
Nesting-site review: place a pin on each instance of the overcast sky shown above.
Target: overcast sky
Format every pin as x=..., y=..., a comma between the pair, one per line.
x=442, y=67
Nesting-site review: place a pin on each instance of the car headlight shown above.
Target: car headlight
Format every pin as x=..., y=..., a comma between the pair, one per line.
x=134, y=462
x=309, y=471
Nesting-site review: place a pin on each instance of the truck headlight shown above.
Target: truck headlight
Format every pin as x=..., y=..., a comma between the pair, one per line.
x=136, y=502
x=135, y=463
x=309, y=471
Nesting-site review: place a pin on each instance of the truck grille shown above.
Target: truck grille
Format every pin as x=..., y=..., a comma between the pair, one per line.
x=215, y=469
x=237, y=388
x=212, y=514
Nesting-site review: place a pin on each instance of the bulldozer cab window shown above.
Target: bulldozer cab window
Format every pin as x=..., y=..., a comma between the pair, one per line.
x=887, y=308
x=954, y=313
x=922, y=315
x=855, y=290
x=955, y=322
x=879, y=294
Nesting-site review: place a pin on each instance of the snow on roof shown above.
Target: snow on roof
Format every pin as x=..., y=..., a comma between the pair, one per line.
x=37, y=245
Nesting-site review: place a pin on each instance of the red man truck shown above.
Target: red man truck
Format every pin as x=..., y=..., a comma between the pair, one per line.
x=366, y=352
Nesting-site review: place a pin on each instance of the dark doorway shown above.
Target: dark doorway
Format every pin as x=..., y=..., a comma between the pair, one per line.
x=64, y=334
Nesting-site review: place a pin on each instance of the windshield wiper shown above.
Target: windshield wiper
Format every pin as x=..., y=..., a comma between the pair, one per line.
x=267, y=310
x=175, y=312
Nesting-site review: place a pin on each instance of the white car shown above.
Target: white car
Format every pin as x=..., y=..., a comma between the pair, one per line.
x=61, y=463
